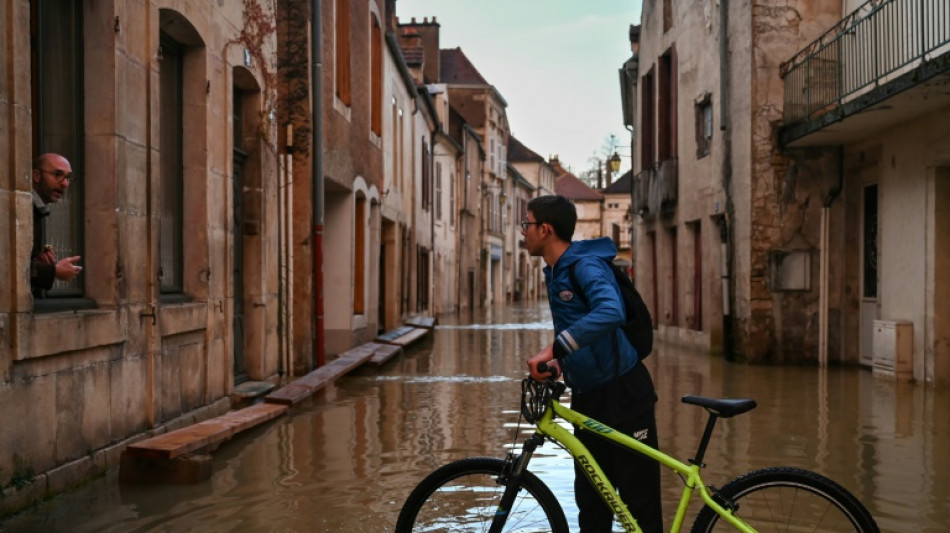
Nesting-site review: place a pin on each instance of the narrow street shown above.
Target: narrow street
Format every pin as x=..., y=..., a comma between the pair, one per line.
x=345, y=460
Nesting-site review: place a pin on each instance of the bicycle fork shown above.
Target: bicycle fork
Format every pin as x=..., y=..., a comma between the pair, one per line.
x=515, y=467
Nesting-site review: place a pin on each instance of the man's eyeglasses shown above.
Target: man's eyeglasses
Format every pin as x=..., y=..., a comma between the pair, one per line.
x=525, y=223
x=59, y=175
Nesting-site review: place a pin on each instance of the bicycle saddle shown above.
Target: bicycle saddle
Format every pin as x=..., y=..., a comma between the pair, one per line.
x=722, y=407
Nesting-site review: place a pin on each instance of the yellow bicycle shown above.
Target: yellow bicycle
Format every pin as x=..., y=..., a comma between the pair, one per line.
x=502, y=495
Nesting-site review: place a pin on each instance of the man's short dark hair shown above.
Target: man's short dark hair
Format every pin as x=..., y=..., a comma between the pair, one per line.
x=558, y=212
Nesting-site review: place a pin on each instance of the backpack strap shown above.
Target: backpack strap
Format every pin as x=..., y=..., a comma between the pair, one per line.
x=579, y=291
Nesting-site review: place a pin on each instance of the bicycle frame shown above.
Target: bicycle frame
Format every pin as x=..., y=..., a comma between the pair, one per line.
x=690, y=472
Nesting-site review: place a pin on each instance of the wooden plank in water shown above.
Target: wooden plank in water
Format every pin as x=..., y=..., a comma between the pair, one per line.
x=188, y=439
x=410, y=337
x=383, y=353
x=427, y=322
x=300, y=389
x=393, y=334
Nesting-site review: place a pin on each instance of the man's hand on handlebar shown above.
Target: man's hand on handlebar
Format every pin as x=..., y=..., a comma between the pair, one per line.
x=543, y=366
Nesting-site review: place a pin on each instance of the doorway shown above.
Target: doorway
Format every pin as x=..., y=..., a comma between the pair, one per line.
x=869, y=271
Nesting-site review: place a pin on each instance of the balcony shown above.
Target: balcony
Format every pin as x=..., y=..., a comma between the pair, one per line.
x=883, y=64
x=655, y=190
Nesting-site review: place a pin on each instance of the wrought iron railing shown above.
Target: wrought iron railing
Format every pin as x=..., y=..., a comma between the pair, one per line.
x=655, y=189
x=877, y=42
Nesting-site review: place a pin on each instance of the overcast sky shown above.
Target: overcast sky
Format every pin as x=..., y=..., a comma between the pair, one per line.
x=555, y=62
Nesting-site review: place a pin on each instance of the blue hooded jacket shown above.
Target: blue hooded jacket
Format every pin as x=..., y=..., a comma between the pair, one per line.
x=596, y=349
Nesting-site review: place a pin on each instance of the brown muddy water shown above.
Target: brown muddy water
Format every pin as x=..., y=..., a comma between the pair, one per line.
x=345, y=460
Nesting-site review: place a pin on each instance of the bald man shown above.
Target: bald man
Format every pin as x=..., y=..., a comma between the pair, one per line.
x=52, y=175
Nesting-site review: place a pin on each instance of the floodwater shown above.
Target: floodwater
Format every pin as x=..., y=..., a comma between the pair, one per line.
x=345, y=460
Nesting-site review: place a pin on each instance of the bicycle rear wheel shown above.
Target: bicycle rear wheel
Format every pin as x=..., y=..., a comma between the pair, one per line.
x=462, y=497
x=788, y=499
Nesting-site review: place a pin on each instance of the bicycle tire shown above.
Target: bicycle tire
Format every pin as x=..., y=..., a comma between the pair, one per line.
x=462, y=497
x=788, y=499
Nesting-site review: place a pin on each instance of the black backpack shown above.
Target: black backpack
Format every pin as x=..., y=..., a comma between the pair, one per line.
x=639, y=325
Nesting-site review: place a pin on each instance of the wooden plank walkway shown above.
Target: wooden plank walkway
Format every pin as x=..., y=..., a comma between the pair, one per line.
x=189, y=439
x=300, y=389
x=393, y=334
x=383, y=353
x=403, y=336
x=169, y=457
x=427, y=322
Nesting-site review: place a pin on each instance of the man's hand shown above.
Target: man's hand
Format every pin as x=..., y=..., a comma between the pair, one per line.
x=47, y=256
x=546, y=355
x=66, y=269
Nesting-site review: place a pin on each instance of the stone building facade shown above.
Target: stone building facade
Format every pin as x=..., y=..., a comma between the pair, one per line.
x=165, y=110
x=773, y=224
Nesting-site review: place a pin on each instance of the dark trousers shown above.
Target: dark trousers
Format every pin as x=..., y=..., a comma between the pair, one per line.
x=636, y=477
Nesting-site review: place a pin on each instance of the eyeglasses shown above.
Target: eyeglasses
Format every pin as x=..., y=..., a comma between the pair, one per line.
x=525, y=223
x=59, y=175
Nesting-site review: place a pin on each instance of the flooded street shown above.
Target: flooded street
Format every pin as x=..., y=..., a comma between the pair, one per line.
x=345, y=460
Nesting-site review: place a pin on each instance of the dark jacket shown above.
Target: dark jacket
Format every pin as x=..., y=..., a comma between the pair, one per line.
x=42, y=275
x=590, y=345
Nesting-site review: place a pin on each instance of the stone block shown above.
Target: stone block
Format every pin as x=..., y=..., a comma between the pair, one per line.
x=96, y=389
x=131, y=271
x=129, y=400
x=132, y=122
x=14, y=499
x=27, y=444
x=73, y=474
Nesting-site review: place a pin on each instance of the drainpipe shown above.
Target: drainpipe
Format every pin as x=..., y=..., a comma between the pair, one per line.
x=150, y=289
x=824, y=259
x=726, y=226
x=316, y=170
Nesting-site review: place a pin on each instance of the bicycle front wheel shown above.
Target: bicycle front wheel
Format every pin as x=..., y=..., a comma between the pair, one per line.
x=463, y=497
x=788, y=499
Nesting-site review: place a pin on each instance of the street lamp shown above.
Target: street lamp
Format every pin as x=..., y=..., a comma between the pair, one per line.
x=614, y=163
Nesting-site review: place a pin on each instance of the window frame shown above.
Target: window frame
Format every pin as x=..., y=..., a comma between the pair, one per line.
x=342, y=69
x=64, y=228
x=704, y=125
x=173, y=175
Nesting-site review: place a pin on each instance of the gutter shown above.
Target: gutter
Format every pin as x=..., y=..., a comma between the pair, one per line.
x=726, y=228
x=316, y=170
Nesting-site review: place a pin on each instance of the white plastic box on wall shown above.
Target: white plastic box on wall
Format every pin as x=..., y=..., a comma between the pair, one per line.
x=893, y=348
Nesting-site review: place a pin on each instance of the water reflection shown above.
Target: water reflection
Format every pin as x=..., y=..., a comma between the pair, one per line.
x=346, y=459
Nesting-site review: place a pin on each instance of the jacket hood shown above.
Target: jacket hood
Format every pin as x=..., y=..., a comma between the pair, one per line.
x=602, y=247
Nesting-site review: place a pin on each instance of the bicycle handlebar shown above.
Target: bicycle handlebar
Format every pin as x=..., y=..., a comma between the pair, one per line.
x=543, y=367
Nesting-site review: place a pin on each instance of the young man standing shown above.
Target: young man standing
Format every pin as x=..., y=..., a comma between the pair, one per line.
x=603, y=369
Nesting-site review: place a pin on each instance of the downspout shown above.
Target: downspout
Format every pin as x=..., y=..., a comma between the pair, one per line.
x=824, y=259
x=460, y=234
x=316, y=170
x=726, y=228
x=150, y=289
x=431, y=281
